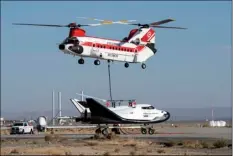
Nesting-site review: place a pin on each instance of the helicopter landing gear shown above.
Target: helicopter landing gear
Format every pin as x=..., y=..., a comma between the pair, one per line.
x=126, y=65
x=81, y=61
x=143, y=66
x=97, y=62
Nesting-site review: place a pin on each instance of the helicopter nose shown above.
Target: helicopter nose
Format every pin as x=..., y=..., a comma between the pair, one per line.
x=61, y=46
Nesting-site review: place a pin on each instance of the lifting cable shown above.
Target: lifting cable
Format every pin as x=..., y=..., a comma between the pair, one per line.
x=109, y=78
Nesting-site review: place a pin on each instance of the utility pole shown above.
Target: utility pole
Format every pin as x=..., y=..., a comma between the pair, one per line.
x=212, y=114
x=53, y=108
x=59, y=99
x=82, y=95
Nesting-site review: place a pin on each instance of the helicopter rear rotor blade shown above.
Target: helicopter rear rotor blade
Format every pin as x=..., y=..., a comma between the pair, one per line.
x=157, y=26
x=162, y=22
x=154, y=24
x=107, y=21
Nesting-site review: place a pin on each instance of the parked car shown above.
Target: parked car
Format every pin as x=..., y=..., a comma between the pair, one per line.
x=21, y=128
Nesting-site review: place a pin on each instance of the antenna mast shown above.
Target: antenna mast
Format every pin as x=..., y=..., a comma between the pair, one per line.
x=82, y=95
x=53, y=107
x=212, y=114
x=59, y=99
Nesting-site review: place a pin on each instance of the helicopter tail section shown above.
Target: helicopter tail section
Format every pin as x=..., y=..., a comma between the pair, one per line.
x=148, y=36
x=142, y=36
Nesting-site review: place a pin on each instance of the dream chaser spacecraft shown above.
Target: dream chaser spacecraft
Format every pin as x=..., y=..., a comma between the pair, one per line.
x=93, y=112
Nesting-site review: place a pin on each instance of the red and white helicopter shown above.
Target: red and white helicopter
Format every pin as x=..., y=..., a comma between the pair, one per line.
x=137, y=47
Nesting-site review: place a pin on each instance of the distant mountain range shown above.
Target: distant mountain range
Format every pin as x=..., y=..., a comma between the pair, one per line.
x=177, y=114
x=36, y=114
x=183, y=114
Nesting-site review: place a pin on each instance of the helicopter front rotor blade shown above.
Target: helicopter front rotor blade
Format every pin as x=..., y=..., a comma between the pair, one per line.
x=44, y=25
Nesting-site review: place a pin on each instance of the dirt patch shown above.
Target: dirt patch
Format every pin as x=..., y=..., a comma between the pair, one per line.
x=5, y=131
x=71, y=131
x=56, y=145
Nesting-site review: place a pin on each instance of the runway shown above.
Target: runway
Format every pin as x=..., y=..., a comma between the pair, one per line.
x=164, y=136
x=81, y=143
x=164, y=133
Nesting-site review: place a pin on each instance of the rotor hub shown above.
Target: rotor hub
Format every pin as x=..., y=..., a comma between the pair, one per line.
x=73, y=25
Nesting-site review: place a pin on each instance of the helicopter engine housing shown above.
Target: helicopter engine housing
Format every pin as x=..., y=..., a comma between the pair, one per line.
x=77, y=49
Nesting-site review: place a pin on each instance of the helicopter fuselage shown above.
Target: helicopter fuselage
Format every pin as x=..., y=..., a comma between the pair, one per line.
x=106, y=49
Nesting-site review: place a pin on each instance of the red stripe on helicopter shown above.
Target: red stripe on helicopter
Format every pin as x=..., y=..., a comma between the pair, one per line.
x=103, y=38
x=113, y=47
x=148, y=36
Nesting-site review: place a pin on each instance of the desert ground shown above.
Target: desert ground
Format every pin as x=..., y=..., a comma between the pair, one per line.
x=54, y=144
x=168, y=140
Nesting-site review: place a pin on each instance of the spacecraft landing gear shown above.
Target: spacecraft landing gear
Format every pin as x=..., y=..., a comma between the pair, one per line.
x=102, y=130
x=147, y=128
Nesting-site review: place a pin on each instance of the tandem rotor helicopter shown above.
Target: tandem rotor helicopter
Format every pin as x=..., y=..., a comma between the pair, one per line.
x=137, y=47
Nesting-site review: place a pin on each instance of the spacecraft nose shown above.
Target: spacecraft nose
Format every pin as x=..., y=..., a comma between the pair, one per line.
x=167, y=114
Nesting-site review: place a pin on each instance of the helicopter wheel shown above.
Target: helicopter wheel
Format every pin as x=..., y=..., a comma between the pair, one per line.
x=81, y=61
x=97, y=62
x=143, y=66
x=126, y=65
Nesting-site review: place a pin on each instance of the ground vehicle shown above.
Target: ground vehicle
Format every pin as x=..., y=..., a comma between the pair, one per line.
x=21, y=128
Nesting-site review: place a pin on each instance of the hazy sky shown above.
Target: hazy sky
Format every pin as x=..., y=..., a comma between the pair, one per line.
x=192, y=67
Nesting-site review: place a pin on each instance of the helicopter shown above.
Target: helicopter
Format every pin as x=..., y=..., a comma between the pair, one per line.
x=137, y=47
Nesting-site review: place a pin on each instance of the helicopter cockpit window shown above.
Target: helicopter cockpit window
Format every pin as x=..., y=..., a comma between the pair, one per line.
x=71, y=40
x=137, y=41
x=125, y=39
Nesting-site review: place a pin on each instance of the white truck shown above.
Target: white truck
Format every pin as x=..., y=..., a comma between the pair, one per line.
x=21, y=128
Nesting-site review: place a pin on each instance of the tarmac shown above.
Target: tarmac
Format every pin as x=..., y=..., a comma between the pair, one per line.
x=162, y=134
